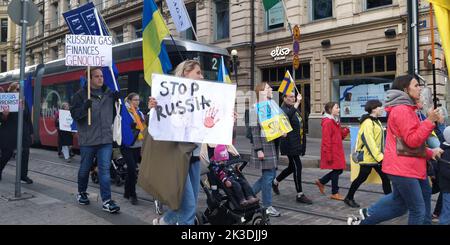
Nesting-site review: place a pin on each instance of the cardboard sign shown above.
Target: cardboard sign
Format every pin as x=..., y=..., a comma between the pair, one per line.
x=192, y=111
x=88, y=50
x=273, y=121
x=10, y=101
x=66, y=123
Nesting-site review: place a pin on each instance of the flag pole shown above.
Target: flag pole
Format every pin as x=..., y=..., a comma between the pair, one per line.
x=89, y=93
x=290, y=30
x=190, y=21
x=433, y=63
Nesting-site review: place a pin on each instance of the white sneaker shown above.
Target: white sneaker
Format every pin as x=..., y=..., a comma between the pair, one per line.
x=271, y=211
x=159, y=221
x=353, y=220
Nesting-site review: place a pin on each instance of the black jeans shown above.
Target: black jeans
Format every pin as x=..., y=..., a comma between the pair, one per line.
x=132, y=157
x=6, y=156
x=241, y=189
x=364, y=172
x=295, y=167
x=334, y=177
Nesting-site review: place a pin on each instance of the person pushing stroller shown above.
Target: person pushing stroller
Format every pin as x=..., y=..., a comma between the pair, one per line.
x=231, y=179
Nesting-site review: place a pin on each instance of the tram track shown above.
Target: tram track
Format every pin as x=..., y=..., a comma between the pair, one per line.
x=277, y=205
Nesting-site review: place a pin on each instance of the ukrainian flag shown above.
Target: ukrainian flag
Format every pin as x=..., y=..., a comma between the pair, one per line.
x=154, y=51
x=442, y=12
x=287, y=85
x=223, y=76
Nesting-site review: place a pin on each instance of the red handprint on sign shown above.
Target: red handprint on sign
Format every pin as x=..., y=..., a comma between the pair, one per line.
x=210, y=118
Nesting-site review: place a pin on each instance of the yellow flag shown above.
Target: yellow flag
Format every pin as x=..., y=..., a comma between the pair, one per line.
x=442, y=12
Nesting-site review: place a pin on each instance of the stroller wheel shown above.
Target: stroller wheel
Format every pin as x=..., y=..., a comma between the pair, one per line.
x=260, y=220
x=158, y=207
x=200, y=218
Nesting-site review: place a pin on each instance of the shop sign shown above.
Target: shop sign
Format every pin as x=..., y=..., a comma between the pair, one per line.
x=280, y=53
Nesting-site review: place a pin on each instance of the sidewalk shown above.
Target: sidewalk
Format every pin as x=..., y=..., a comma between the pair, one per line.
x=310, y=160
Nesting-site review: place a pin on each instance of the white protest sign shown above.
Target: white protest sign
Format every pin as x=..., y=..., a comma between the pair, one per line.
x=65, y=121
x=88, y=50
x=192, y=111
x=10, y=101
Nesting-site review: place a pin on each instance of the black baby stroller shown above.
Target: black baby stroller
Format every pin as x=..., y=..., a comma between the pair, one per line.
x=223, y=208
x=118, y=169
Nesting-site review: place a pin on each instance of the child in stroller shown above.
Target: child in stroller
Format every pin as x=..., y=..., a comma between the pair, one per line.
x=231, y=177
x=118, y=168
x=223, y=205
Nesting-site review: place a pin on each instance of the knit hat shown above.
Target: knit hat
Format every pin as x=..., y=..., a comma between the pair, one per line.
x=220, y=153
x=447, y=134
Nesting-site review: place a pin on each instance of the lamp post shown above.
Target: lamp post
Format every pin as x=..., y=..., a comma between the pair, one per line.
x=234, y=54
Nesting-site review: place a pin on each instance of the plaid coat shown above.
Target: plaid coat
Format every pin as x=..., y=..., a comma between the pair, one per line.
x=269, y=149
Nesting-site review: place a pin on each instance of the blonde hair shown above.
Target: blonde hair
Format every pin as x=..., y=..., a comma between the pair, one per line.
x=186, y=66
x=259, y=88
x=13, y=87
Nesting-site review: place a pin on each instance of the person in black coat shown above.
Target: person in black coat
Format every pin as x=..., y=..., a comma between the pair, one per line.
x=8, y=134
x=444, y=178
x=293, y=146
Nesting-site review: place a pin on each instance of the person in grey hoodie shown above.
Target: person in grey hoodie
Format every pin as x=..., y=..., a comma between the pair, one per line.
x=95, y=139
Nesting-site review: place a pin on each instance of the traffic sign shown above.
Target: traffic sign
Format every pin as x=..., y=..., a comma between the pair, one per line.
x=296, y=61
x=296, y=33
x=15, y=12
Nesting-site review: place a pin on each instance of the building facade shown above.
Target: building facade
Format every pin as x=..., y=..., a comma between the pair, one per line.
x=342, y=42
x=7, y=38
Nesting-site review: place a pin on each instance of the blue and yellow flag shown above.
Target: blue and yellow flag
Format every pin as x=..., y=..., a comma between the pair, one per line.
x=287, y=85
x=442, y=12
x=154, y=51
x=223, y=76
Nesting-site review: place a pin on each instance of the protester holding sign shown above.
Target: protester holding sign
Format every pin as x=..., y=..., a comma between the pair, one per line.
x=264, y=154
x=65, y=138
x=332, y=150
x=132, y=153
x=185, y=213
x=95, y=139
x=9, y=122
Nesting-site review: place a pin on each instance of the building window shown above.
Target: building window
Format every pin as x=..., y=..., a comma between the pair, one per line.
x=68, y=7
x=377, y=3
x=275, y=17
x=55, y=21
x=222, y=25
x=4, y=32
x=54, y=53
x=365, y=65
x=276, y=74
x=3, y=66
x=189, y=34
x=138, y=29
x=321, y=9
x=118, y=34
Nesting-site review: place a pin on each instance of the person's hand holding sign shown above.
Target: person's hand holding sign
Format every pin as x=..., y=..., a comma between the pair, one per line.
x=210, y=120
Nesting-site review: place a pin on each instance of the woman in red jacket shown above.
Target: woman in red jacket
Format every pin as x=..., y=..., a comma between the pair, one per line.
x=332, y=150
x=411, y=189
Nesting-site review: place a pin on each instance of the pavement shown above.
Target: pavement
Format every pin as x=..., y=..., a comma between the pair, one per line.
x=55, y=186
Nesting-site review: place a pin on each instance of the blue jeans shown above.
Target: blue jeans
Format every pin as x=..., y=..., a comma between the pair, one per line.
x=409, y=194
x=264, y=184
x=444, y=217
x=103, y=154
x=185, y=215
